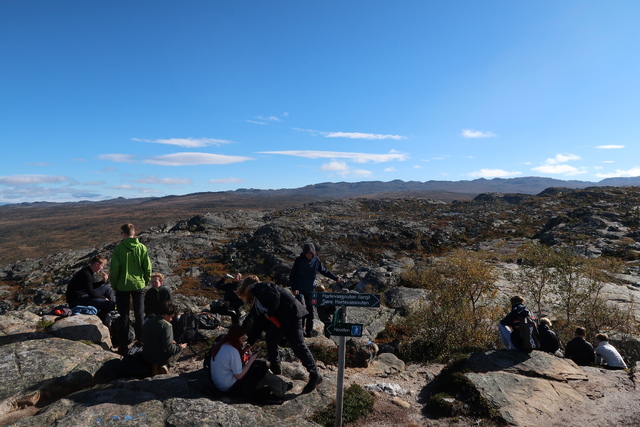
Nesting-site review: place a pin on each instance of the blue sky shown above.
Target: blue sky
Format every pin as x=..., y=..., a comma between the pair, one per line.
x=103, y=99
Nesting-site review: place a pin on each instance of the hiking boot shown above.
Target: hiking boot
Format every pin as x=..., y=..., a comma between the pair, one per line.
x=314, y=379
x=276, y=368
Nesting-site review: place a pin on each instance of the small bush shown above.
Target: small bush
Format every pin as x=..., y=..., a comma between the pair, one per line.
x=357, y=402
x=44, y=325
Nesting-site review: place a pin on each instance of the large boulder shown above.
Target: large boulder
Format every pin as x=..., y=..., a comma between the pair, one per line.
x=48, y=368
x=83, y=327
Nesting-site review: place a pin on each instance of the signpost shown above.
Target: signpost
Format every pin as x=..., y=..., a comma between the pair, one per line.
x=341, y=328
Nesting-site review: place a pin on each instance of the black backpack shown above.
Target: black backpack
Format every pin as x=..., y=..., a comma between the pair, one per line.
x=527, y=328
x=187, y=329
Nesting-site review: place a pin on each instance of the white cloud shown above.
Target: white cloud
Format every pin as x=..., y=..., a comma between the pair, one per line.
x=561, y=158
x=32, y=179
x=609, y=147
x=193, y=159
x=118, y=158
x=471, y=133
x=343, y=170
x=559, y=169
x=226, y=181
x=355, y=157
x=493, y=173
x=164, y=181
x=635, y=171
x=187, y=142
x=556, y=165
x=360, y=135
x=392, y=169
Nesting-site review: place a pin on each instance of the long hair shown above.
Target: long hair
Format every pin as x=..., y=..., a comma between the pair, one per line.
x=244, y=291
x=233, y=338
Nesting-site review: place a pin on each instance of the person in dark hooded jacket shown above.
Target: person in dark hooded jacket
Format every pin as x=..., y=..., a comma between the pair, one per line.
x=302, y=280
x=278, y=312
x=512, y=340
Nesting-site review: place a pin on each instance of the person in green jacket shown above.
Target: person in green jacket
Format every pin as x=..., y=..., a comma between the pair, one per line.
x=160, y=350
x=130, y=272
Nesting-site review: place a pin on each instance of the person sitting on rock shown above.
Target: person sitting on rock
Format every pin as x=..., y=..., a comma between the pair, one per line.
x=249, y=380
x=607, y=355
x=231, y=302
x=579, y=349
x=283, y=312
x=509, y=326
x=156, y=295
x=83, y=290
x=160, y=350
x=549, y=341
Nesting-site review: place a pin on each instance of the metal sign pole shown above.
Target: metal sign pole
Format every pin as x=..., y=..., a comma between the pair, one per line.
x=342, y=350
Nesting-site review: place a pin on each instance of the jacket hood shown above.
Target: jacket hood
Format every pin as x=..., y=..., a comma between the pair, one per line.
x=131, y=243
x=309, y=247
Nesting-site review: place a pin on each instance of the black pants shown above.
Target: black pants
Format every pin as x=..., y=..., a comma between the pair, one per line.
x=292, y=331
x=307, y=321
x=246, y=387
x=104, y=306
x=123, y=299
x=227, y=311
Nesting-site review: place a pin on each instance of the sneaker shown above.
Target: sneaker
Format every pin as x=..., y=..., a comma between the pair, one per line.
x=314, y=379
x=159, y=370
x=276, y=368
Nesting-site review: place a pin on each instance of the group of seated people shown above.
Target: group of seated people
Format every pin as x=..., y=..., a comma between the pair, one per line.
x=579, y=350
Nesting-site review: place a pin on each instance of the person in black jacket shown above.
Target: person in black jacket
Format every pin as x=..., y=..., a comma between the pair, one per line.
x=579, y=349
x=156, y=295
x=231, y=302
x=302, y=280
x=511, y=322
x=549, y=342
x=280, y=313
x=83, y=290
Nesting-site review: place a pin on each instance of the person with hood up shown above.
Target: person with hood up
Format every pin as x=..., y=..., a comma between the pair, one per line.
x=130, y=272
x=303, y=277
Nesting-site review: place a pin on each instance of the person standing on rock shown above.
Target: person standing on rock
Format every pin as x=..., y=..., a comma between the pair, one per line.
x=130, y=272
x=160, y=350
x=579, y=349
x=607, y=355
x=83, y=290
x=303, y=277
x=277, y=307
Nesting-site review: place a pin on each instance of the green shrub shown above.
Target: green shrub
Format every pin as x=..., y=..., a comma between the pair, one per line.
x=356, y=403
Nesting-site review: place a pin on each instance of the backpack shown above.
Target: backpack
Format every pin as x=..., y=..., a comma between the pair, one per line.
x=527, y=327
x=208, y=321
x=115, y=329
x=187, y=329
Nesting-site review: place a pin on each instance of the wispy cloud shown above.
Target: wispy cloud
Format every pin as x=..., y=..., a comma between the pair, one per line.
x=493, y=173
x=187, y=142
x=352, y=135
x=32, y=179
x=472, y=133
x=635, y=171
x=193, y=159
x=361, y=135
x=557, y=165
x=609, y=147
x=118, y=158
x=342, y=169
x=265, y=120
x=226, y=181
x=355, y=157
x=163, y=181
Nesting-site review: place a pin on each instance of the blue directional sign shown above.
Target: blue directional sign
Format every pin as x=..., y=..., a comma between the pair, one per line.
x=345, y=329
